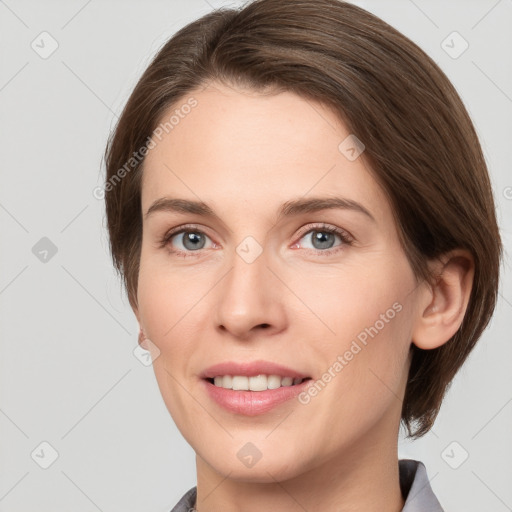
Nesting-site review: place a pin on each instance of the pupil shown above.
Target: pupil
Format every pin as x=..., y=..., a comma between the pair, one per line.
x=324, y=240
x=193, y=241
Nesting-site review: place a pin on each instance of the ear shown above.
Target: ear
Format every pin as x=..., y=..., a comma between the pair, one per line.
x=443, y=304
x=141, y=335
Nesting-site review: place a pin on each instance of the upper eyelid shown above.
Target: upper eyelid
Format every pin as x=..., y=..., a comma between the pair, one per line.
x=327, y=227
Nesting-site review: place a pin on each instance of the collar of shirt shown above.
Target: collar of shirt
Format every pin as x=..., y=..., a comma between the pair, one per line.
x=414, y=484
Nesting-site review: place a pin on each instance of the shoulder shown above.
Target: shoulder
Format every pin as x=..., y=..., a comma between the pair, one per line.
x=186, y=504
x=416, y=489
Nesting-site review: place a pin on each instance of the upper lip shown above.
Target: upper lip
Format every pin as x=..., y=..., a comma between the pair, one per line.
x=250, y=368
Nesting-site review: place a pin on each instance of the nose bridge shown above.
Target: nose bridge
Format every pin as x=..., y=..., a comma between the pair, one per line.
x=248, y=297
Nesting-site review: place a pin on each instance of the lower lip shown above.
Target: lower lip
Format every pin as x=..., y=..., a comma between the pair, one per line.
x=252, y=403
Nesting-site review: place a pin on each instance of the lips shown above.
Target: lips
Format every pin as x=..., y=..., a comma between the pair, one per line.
x=252, y=403
x=251, y=369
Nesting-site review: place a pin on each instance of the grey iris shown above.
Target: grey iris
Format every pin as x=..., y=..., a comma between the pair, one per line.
x=324, y=239
x=193, y=240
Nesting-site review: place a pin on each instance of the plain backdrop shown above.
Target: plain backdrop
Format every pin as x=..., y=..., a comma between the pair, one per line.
x=73, y=395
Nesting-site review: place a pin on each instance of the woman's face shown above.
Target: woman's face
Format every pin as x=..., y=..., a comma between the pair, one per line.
x=261, y=273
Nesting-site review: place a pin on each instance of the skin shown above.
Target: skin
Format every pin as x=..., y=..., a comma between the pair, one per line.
x=245, y=154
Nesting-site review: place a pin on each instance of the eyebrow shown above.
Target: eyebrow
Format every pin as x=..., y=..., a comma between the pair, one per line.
x=288, y=209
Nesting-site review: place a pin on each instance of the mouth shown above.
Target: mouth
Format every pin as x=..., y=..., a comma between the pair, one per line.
x=257, y=383
x=254, y=395
x=250, y=388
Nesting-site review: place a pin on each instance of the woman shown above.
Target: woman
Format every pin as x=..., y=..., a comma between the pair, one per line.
x=299, y=207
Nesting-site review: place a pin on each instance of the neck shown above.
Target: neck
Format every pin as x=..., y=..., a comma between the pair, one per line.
x=363, y=477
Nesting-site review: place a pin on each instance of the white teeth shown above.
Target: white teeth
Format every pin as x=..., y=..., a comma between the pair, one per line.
x=287, y=381
x=240, y=382
x=227, y=382
x=273, y=382
x=256, y=383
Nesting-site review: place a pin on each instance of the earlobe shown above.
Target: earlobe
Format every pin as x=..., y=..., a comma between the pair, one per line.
x=142, y=335
x=442, y=306
x=142, y=338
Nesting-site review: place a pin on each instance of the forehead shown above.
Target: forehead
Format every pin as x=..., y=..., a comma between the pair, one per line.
x=255, y=149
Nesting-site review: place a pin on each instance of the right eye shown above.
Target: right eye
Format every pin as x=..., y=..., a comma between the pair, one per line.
x=185, y=241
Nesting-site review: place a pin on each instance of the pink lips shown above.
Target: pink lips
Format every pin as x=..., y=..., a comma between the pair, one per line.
x=252, y=403
x=250, y=369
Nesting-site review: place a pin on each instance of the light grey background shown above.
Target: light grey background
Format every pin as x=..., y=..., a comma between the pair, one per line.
x=68, y=375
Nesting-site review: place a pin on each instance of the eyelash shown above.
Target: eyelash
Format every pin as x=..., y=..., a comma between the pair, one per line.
x=346, y=239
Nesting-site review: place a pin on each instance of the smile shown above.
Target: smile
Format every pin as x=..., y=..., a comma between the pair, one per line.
x=254, y=383
x=250, y=402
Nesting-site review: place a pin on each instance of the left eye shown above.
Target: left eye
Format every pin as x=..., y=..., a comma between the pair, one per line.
x=322, y=238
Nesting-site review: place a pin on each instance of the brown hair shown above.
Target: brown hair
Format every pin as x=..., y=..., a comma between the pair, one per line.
x=421, y=145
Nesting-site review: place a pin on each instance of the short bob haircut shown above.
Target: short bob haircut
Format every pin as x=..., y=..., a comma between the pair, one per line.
x=420, y=144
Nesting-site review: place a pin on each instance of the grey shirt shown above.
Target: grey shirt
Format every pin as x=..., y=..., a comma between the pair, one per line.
x=414, y=484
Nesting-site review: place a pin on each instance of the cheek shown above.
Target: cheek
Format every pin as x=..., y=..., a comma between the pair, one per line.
x=167, y=298
x=365, y=316
x=169, y=302
x=360, y=301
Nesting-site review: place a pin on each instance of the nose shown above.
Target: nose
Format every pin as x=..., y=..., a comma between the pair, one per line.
x=249, y=299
